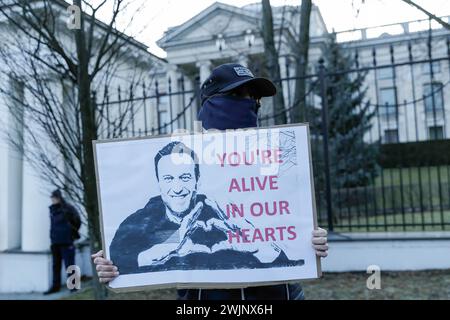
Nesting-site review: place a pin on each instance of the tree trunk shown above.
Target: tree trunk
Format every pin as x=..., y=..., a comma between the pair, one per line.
x=271, y=62
x=87, y=111
x=299, y=110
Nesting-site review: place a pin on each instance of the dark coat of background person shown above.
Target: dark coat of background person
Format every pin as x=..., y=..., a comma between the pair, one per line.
x=64, y=223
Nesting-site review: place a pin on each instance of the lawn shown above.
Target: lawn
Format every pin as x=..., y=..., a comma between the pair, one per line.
x=411, y=175
x=335, y=286
x=424, y=285
x=410, y=196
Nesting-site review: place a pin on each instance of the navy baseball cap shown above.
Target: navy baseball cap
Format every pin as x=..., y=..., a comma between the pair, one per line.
x=229, y=76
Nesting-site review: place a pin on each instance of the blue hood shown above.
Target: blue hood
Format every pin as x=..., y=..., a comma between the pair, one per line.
x=228, y=112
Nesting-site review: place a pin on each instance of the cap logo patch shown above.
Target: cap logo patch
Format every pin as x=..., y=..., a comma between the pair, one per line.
x=243, y=72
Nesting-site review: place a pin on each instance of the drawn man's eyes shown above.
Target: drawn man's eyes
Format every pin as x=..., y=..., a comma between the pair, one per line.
x=168, y=179
x=185, y=177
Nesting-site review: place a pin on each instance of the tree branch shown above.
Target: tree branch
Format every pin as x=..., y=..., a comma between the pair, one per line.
x=428, y=13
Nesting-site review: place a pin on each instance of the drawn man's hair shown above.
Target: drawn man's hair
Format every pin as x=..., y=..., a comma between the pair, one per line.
x=177, y=147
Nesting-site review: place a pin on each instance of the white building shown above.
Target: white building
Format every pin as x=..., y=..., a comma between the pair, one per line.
x=25, y=260
x=415, y=48
x=224, y=33
x=219, y=34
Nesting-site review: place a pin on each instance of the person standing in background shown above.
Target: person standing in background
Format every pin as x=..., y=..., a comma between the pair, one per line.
x=64, y=225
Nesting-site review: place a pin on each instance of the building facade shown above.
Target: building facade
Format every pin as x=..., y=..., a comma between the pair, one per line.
x=409, y=78
x=408, y=63
x=25, y=260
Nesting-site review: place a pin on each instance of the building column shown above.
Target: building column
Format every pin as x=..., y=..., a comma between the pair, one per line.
x=11, y=166
x=205, y=70
x=174, y=101
x=35, y=212
x=4, y=193
x=191, y=115
x=243, y=60
x=11, y=171
x=14, y=195
x=36, y=198
x=287, y=85
x=152, y=110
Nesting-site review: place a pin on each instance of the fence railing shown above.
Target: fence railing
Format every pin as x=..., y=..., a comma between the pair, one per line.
x=407, y=190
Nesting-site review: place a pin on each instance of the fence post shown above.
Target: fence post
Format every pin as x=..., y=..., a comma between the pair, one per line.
x=172, y=118
x=95, y=111
x=145, y=107
x=198, y=97
x=108, y=120
x=158, y=119
x=183, y=101
x=323, y=93
x=132, y=115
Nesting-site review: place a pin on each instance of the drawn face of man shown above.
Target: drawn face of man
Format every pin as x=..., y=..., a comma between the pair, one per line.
x=177, y=182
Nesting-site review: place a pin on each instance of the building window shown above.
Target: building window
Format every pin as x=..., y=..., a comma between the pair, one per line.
x=436, y=133
x=388, y=102
x=385, y=73
x=391, y=136
x=433, y=97
x=436, y=66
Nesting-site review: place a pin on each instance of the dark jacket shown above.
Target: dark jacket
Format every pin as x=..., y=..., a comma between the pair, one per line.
x=64, y=223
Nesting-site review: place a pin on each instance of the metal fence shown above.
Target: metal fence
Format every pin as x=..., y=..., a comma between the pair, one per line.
x=410, y=188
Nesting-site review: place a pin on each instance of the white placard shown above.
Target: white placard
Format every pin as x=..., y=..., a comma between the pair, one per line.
x=208, y=210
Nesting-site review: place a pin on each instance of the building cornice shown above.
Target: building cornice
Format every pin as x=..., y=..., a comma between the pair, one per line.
x=174, y=32
x=396, y=39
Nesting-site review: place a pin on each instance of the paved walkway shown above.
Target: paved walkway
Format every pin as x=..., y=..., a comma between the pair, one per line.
x=35, y=295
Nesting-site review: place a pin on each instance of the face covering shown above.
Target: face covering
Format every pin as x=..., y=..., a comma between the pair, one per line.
x=228, y=112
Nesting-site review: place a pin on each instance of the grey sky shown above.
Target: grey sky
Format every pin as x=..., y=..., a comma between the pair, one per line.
x=156, y=16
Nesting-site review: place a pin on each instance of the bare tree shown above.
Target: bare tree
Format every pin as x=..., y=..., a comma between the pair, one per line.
x=428, y=13
x=60, y=71
x=271, y=61
x=302, y=49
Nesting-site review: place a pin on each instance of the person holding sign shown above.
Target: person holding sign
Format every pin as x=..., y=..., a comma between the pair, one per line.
x=230, y=100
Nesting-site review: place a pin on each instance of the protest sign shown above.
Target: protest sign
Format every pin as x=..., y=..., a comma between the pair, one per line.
x=208, y=210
